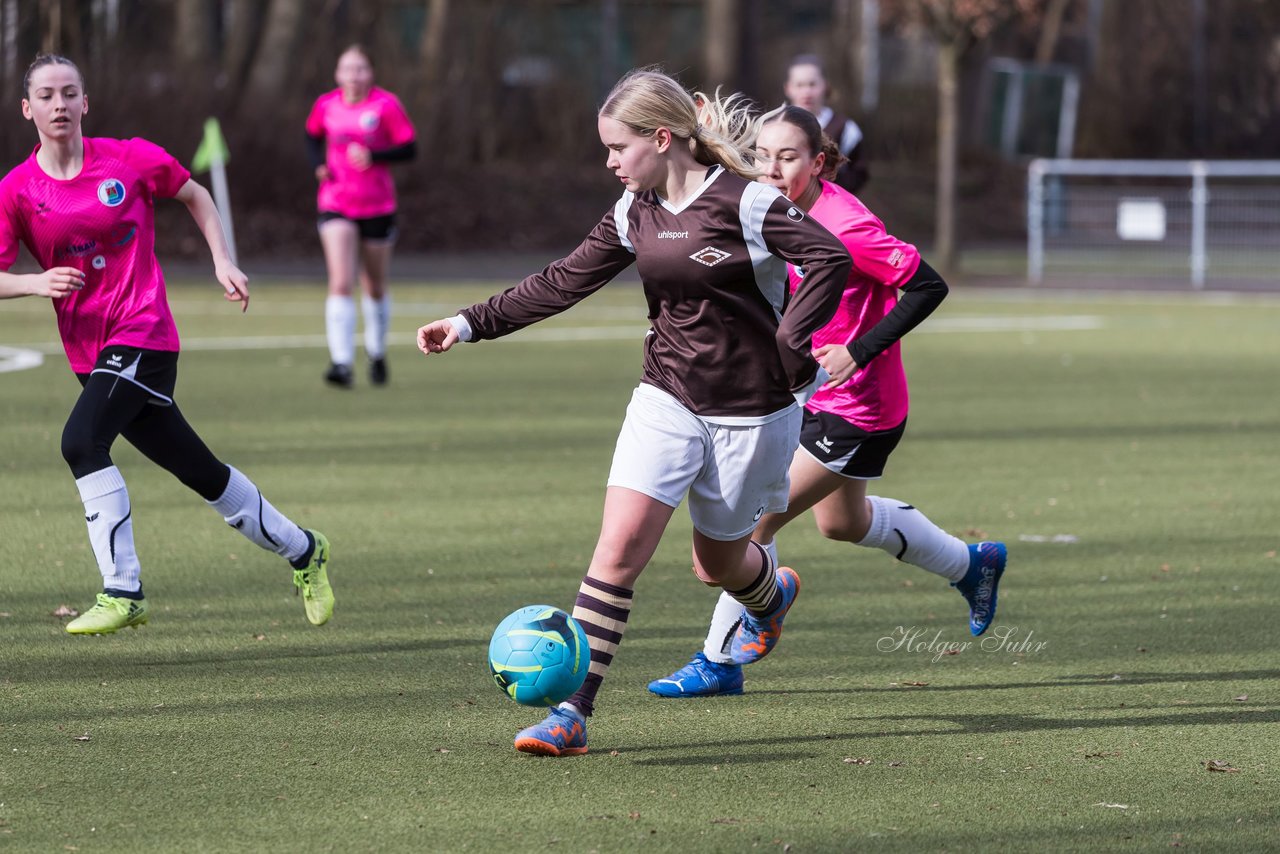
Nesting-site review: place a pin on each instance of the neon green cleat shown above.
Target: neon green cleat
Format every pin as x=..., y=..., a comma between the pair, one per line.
x=313, y=581
x=109, y=614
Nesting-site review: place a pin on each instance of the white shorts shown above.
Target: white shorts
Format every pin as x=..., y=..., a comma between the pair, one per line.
x=732, y=474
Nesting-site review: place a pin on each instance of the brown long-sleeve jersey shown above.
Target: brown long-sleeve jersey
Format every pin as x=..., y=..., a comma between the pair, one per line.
x=725, y=339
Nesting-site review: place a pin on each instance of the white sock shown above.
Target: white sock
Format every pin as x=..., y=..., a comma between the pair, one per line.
x=244, y=509
x=340, y=327
x=908, y=535
x=377, y=317
x=726, y=617
x=724, y=622
x=106, y=509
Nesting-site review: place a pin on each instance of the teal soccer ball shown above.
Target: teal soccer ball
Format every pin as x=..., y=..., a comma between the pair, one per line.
x=539, y=656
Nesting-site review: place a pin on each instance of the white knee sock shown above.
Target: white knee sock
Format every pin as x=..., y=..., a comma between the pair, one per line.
x=244, y=509
x=106, y=509
x=908, y=535
x=724, y=622
x=377, y=317
x=725, y=619
x=340, y=328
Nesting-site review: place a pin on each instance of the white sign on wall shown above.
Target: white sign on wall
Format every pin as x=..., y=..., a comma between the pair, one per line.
x=1140, y=219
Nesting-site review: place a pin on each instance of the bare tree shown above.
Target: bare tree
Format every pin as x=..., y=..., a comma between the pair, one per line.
x=719, y=41
x=428, y=97
x=193, y=35
x=282, y=32
x=1050, y=30
x=956, y=26
x=51, y=26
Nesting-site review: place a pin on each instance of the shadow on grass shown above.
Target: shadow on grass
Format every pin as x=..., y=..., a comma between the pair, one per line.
x=970, y=725
x=112, y=659
x=755, y=758
x=1079, y=680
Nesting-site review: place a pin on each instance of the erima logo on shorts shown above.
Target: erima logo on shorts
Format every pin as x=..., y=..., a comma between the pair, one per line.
x=825, y=445
x=710, y=256
x=113, y=361
x=111, y=192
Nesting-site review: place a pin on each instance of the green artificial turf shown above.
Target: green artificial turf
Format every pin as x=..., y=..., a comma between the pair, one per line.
x=1129, y=463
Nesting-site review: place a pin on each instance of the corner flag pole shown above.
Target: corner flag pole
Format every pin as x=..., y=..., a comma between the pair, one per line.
x=212, y=157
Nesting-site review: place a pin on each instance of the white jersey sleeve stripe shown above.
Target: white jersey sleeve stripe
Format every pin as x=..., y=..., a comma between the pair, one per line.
x=850, y=136
x=620, y=211
x=770, y=271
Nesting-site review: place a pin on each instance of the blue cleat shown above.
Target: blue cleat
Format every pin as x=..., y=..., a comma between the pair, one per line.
x=757, y=636
x=563, y=733
x=986, y=565
x=701, y=677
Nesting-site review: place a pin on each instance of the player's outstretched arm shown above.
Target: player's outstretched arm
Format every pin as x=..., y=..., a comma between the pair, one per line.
x=205, y=213
x=437, y=337
x=54, y=283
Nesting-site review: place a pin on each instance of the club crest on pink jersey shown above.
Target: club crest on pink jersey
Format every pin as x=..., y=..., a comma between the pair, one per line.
x=369, y=120
x=111, y=192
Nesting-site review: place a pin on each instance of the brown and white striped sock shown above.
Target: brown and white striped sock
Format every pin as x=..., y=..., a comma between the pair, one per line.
x=762, y=596
x=602, y=610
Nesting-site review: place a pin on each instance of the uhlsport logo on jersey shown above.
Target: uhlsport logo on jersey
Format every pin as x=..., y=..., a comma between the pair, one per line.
x=111, y=192
x=710, y=256
x=368, y=120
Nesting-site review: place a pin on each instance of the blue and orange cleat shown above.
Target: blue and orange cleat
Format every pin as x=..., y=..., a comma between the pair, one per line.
x=980, y=583
x=757, y=636
x=701, y=677
x=563, y=733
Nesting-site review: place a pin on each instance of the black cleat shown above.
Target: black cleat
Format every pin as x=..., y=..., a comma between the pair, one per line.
x=339, y=375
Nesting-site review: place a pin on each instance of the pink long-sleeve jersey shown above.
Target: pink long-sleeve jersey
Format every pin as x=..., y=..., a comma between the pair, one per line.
x=875, y=397
x=378, y=122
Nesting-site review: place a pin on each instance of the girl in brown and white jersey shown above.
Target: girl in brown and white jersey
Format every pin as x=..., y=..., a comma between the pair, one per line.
x=715, y=416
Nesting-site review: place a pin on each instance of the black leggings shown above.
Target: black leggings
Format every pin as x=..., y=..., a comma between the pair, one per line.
x=111, y=406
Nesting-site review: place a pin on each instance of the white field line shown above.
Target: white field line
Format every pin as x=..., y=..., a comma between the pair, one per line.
x=32, y=355
x=15, y=359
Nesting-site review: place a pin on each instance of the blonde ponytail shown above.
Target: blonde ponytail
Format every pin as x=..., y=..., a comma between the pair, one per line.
x=727, y=132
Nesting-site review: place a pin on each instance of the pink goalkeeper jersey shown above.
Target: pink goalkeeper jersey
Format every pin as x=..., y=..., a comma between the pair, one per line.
x=875, y=397
x=103, y=222
x=378, y=122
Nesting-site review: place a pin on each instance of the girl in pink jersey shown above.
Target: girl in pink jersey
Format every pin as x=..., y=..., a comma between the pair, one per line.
x=84, y=209
x=853, y=423
x=353, y=134
x=715, y=416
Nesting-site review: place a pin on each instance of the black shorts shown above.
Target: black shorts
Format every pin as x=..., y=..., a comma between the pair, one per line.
x=845, y=449
x=372, y=228
x=155, y=371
